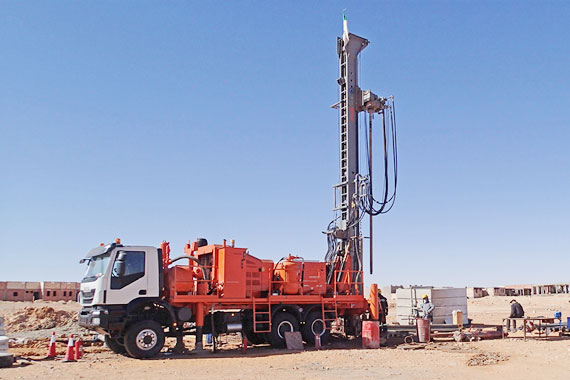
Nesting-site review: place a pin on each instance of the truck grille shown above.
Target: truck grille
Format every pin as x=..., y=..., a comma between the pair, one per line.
x=87, y=297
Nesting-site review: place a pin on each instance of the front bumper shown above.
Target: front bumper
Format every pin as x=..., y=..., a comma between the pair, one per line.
x=107, y=319
x=94, y=318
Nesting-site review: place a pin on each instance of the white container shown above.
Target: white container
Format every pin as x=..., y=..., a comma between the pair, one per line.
x=445, y=300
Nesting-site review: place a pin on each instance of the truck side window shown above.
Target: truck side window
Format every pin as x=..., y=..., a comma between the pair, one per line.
x=134, y=269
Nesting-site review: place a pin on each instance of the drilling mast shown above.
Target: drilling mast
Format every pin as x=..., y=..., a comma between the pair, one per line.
x=353, y=193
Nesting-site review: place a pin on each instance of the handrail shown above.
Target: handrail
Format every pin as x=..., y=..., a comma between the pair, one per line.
x=350, y=283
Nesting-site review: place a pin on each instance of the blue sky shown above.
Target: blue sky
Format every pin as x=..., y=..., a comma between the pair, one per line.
x=154, y=121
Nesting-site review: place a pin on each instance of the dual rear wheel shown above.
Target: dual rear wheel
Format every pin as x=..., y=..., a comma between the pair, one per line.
x=314, y=325
x=284, y=322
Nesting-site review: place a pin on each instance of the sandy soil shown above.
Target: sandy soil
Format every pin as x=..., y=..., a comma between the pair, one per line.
x=33, y=320
x=8, y=307
x=509, y=358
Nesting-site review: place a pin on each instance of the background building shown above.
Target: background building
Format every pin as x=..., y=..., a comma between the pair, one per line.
x=30, y=291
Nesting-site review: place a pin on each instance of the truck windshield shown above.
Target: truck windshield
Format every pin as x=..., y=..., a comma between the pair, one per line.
x=96, y=267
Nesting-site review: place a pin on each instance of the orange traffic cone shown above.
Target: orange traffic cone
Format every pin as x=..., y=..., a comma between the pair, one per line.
x=78, y=349
x=51, y=350
x=70, y=354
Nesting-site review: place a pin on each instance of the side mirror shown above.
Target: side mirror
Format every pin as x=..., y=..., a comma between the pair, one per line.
x=120, y=267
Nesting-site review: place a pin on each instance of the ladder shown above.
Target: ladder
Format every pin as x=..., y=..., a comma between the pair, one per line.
x=343, y=106
x=329, y=311
x=262, y=317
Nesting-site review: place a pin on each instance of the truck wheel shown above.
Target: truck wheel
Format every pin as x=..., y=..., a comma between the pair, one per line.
x=282, y=323
x=144, y=339
x=353, y=326
x=116, y=345
x=254, y=338
x=314, y=325
x=6, y=360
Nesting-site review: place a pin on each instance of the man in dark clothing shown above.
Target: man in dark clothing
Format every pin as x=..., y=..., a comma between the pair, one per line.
x=383, y=310
x=517, y=311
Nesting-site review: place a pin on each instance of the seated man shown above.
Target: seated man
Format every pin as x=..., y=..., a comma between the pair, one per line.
x=517, y=311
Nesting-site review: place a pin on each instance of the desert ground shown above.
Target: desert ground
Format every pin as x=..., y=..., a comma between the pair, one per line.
x=30, y=326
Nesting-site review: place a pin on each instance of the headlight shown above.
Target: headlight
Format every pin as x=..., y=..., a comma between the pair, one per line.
x=96, y=321
x=96, y=313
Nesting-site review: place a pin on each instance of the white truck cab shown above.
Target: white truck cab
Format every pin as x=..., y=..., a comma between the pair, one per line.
x=117, y=274
x=122, y=285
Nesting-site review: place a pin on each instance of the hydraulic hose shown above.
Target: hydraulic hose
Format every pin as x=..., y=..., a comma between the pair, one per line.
x=189, y=258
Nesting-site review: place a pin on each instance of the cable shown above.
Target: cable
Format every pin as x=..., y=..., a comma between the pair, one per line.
x=368, y=203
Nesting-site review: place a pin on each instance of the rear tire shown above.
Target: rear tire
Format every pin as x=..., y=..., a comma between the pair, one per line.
x=282, y=322
x=253, y=338
x=314, y=325
x=116, y=345
x=353, y=326
x=144, y=339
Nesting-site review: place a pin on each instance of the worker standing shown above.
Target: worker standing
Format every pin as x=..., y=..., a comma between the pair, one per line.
x=427, y=308
x=383, y=310
x=517, y=311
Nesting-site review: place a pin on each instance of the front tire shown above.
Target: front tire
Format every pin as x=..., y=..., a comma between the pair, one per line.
x=144, y=339
x=6, y=360
x=282, y=322
x=115, y=344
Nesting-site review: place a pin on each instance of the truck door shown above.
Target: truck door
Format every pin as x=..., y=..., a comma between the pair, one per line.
x=128, y=278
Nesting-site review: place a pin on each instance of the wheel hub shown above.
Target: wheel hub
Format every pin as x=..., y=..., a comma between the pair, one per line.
x=146, y=339
x=317, y=327
x=284, y=327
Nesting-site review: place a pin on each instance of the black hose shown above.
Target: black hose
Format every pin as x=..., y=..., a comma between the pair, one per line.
x=368, y=202
x=192, y=259
x=187, y=257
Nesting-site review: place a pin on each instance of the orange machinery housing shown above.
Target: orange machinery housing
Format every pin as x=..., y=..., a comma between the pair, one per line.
x=219, y=277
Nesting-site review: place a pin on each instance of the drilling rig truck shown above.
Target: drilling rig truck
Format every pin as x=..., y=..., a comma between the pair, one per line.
x=138, y=295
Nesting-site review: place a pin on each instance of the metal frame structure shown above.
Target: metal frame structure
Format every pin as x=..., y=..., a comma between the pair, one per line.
x=353, y=187
x=350, y=104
